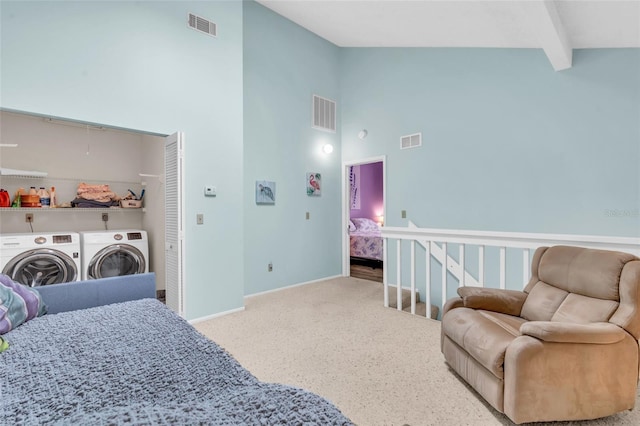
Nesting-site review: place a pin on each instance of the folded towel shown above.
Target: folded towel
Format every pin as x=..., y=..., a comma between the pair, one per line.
x=100, y=196
x=85, y=188
x=81, y=202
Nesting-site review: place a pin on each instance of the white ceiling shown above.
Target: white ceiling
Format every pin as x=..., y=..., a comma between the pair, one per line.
x=555, y=26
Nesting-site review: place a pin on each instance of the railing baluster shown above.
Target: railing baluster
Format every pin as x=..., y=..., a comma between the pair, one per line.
x=444, y=273
x=385, y=272
x=503, y=267
x=461, y=281
x=413, y=277
x=481, y=265
x=427, y=271
x=399, y=277
x=525, y=267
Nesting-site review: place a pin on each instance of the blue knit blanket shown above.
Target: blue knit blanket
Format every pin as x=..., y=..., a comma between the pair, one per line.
x=139, y=363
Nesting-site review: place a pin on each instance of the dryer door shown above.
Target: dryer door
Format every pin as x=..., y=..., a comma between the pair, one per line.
x=41, y=267
x=116, y=260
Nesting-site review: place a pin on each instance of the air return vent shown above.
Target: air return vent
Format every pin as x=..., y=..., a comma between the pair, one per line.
x=324, y=114
x=411, y=141
x=202, y=25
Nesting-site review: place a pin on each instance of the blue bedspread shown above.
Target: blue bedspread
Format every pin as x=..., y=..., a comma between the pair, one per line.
x=139, y=363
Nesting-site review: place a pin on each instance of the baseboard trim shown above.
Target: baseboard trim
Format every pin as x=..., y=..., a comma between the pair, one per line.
x=292, y=286
x=212, y=316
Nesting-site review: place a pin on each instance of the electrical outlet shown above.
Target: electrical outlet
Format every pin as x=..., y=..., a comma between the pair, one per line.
x=28, y=217
x=200, y=219
x=105, y=217
x=270, y=267
x=404, y=214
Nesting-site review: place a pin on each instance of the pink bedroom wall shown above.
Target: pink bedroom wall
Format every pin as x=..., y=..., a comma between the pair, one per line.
x=371, y=204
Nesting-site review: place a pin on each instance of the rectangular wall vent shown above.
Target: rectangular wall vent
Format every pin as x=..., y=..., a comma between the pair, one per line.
x=203, y=25
x=411, y=141
x=324, y=114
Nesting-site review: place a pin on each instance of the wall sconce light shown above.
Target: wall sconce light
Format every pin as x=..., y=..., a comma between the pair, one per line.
x=327, y=149
x=362, y=134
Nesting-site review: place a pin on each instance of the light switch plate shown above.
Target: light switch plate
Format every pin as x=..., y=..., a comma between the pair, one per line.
x=200, y=219
x=210, y=191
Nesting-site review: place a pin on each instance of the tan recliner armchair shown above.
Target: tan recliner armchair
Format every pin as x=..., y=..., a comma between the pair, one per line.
x=565, y=348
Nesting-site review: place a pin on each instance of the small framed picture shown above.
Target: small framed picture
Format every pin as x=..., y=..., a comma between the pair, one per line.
x=314, y=184
x=265, y=192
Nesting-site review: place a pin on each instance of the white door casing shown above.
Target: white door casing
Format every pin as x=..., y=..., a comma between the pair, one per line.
x=346, y=251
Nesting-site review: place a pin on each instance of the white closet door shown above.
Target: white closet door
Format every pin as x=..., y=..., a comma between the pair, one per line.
x=173, y=222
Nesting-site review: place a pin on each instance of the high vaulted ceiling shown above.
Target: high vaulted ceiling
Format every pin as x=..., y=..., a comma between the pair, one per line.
x=557, y=26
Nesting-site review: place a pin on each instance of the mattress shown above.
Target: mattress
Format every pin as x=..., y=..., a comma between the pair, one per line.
x=366, y=244
x=139, y=363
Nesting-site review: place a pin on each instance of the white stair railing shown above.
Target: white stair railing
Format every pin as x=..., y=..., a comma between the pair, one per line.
x=435, y=242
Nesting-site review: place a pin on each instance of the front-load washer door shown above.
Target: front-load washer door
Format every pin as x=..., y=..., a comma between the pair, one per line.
x=116, y=260
x=41, y=267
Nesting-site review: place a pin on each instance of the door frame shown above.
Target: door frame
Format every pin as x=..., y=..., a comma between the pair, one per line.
x=346, y=210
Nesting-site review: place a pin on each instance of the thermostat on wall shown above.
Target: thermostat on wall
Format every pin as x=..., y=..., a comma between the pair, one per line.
x=210, y=191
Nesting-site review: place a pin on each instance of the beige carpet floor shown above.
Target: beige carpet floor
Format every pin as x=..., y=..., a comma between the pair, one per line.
x=379, y=366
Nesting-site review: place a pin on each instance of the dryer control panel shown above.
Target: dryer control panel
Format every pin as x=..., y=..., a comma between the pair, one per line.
x=61, y=239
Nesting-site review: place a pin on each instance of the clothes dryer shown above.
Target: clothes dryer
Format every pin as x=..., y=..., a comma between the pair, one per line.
x=114, y=253
x=41, y=259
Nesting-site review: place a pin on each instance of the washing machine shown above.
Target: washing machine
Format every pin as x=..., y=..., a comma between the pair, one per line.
x=114, y=253
x=41, y=259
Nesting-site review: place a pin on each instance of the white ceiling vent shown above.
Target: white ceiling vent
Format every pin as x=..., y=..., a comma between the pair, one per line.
x=203, y=25
x=411, y=141
x=324, y=114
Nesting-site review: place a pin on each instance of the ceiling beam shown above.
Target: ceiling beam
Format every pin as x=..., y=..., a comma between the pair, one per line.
x=545, y=19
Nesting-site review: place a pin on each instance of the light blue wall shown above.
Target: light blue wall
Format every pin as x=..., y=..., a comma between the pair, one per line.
x=284, y=65
x=137, y=65
x=508, y=143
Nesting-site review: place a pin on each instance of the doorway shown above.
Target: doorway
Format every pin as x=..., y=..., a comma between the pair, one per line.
x=363, y=213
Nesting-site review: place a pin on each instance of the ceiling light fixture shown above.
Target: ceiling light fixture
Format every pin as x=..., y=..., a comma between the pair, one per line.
x=327, y=149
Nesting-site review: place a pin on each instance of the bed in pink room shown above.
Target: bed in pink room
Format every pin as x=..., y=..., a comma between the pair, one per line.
x=365, y=241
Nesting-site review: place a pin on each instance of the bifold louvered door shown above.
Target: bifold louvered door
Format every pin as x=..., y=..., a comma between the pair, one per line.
x=173, y=222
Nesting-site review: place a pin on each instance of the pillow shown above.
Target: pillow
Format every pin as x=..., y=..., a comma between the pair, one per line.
x=352, y=227
x=364, y=224
x=18, y=304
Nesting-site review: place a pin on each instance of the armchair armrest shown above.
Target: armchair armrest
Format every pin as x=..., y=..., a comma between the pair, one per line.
x=493, y=299
x=600, y=333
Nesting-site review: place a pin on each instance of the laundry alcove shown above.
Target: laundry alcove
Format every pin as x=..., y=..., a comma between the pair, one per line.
x=42, y=151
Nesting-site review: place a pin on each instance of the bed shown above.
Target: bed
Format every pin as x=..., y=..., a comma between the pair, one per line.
x=365, y=241
x=137, y=362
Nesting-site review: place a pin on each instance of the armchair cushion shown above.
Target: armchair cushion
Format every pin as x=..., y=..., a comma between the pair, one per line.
x=600, y=333
x=593, y=273
x=492, y=299
x=543, y=302
x=582, y=309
